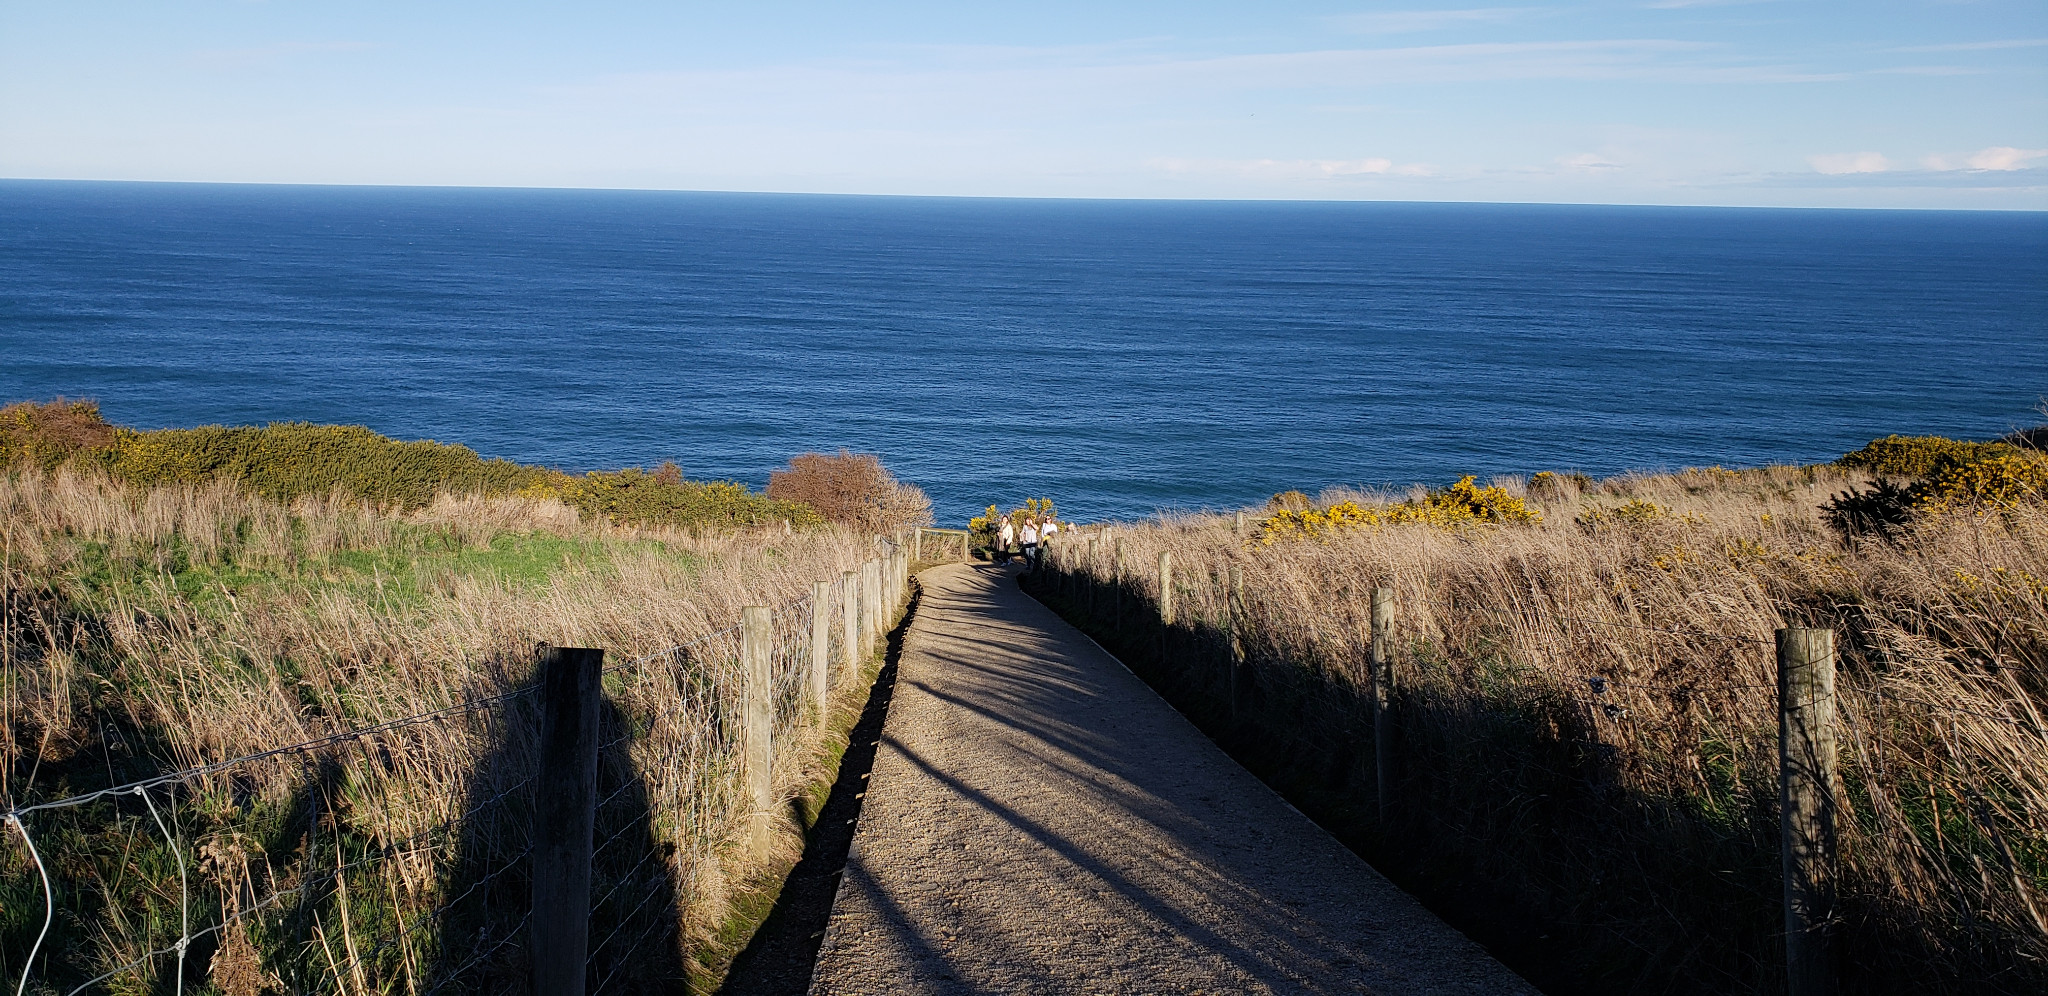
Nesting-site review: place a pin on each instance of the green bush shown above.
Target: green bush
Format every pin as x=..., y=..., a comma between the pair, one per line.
x=289, y=460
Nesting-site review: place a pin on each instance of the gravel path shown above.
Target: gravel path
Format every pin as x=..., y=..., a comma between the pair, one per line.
x=1040, y=821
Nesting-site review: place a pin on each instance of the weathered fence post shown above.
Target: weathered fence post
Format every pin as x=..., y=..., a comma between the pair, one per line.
x=1239, y=528
x=564, y=817
x=849, y=613
x=964, y=535
x=1806, y=801
x=917, y=544
x=821, y=647
x=758, y=724
x=870, y=605
x=1382, y=663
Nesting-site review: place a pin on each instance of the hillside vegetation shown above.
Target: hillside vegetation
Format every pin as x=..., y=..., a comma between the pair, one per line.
x=175, y=598
x=287, y=461
x=1587, y=709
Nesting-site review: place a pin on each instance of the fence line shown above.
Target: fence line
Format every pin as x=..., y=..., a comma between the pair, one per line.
x=1210, y=608
x=793, y=642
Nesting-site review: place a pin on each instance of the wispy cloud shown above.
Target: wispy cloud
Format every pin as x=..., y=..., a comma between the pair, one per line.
x=1297, y=169
x=2005, y=157
x=1977, y=46
x=1681, y=4
x=1588, y=162
x=1841, y=164
x=1393, y=22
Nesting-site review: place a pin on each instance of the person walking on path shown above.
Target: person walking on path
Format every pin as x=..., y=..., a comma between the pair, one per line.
x=1031, y=543
x=1004, y=540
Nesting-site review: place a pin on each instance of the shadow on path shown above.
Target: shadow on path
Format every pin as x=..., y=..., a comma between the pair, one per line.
x=780, y=957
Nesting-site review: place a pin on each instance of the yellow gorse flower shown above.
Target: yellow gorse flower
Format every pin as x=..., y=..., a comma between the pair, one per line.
x=1461, y=504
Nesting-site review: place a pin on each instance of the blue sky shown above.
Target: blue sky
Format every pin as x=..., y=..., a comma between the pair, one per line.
x=1769, y=102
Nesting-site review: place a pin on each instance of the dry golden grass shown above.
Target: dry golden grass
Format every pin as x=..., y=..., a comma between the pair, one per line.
x=182, y=625
x=1590, y=721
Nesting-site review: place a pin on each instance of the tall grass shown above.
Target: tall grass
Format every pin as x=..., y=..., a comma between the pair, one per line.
x=154, y=628
x=1588, y=716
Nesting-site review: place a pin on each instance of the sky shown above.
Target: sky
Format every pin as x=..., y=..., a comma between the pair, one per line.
x=1764, y=102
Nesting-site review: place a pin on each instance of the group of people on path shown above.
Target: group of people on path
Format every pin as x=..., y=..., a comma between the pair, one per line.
x=1034, y=535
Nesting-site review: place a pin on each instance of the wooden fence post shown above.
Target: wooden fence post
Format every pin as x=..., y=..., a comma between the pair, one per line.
x=821, y=647
x=870, y=604
x=963, y=546
x=917, y=544
x=1239, y=528
x=564, y=817
x=758, y=725
x=1806, y=802
x=849, y=612
x=1382, y=663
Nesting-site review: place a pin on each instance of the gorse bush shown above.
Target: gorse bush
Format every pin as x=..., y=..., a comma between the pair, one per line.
x=47, y=435
x=1918, y=456
x=1461, y=504
x=287, y=461
x=1952, y=476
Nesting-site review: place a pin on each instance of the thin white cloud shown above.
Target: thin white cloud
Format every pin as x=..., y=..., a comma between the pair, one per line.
x=1682, y=4
x=1394, y=22
x=1297, y=169
x=1842, y=164
x=1588, y=162
x=2005, y=157
x=1979, y=46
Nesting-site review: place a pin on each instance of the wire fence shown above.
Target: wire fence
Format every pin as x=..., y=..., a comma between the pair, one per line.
x=395, y=856
x=1638, y=729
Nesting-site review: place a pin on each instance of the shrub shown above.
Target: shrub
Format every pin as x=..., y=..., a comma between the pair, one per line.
x=2000, y=481
x=1917, y=456
x=1461, y=504
x=290, y=460
x=661, y=498
x=1288, y=501
x=1884, y=511
x=47, y=435
x=286, y=461
x=1547, y=486
x=853, y=489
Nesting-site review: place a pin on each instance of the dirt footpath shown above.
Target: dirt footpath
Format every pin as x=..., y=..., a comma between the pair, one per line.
x=1039, y=821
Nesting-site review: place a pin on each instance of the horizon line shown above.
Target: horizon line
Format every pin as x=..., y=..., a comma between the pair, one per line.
x=1012, y=197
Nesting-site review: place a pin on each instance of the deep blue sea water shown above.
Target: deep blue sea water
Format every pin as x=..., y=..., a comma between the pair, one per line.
x=1116, y=356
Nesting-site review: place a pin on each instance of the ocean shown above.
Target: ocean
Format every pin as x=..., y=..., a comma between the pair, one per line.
x=1119, y=357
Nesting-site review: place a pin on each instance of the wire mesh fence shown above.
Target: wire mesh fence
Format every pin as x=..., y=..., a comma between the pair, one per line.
x=395, y=856
x=1648, y=745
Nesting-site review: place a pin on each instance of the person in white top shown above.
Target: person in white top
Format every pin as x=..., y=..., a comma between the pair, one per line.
x=1031, y=544
x=1004, y=540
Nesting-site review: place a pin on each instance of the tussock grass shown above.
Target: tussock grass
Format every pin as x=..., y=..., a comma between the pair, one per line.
x=149, y=628
x=1589, y=716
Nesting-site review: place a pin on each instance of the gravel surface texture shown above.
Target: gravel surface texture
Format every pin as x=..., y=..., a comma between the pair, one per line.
x=1038, y=820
